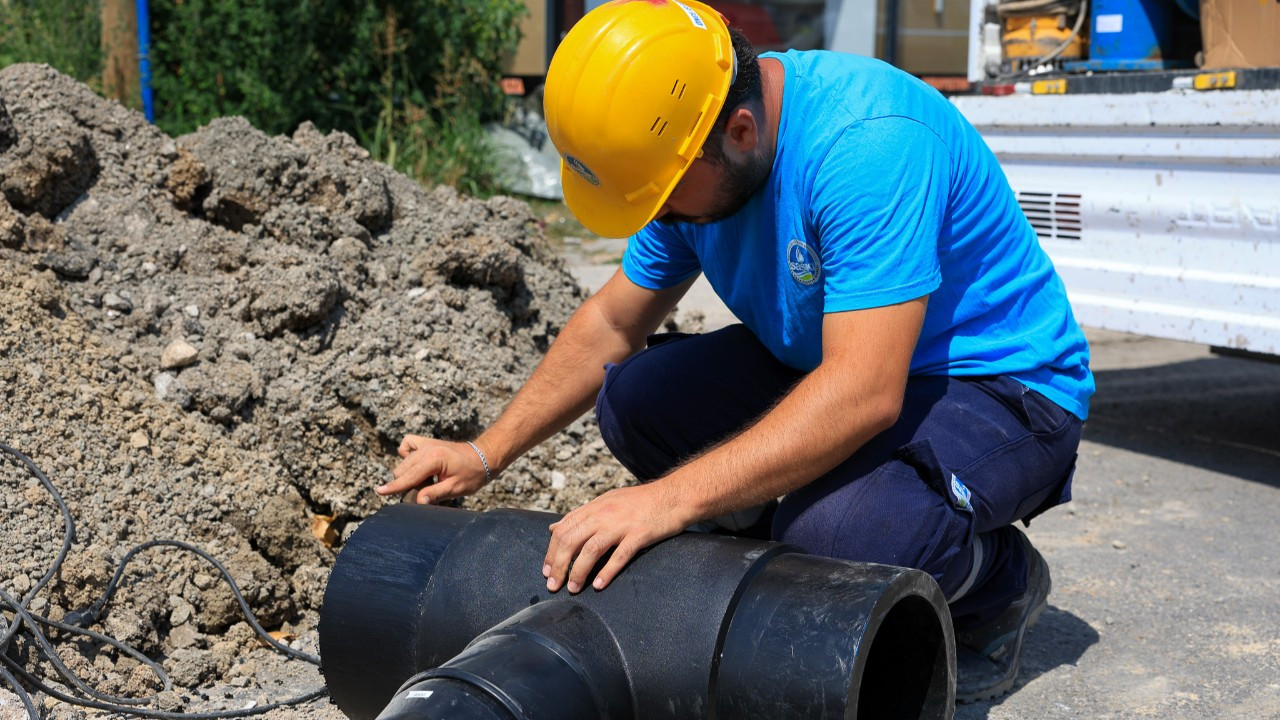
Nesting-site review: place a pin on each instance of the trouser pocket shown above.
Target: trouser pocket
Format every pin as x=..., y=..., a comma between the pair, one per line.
x=921, y=456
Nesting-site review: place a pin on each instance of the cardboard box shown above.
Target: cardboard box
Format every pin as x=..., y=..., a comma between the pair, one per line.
x=929, y=42
x=530, y=57
x=1240, y=33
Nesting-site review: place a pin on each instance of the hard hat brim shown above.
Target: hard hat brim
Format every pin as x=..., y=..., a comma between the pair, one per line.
x=602, y=213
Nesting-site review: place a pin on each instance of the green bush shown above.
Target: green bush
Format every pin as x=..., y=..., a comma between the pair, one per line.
x=428, y=125
x=412, y=80
x=63, y=33
x=212, y=58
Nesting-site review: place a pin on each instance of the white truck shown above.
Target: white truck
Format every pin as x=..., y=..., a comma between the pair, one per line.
x=1156, y=193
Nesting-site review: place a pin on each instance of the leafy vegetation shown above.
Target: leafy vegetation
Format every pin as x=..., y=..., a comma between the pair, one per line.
x=63, y=33
x=412, y=80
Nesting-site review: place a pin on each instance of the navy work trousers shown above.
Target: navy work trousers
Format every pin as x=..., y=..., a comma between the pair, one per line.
x=938, y=491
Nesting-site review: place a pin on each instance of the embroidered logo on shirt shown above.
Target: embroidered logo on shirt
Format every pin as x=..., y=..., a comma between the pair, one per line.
x=803, y=261
x=961, y=493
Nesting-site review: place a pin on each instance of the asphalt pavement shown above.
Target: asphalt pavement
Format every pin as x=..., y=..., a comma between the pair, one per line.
x=1166, y=598
x=1166, y=572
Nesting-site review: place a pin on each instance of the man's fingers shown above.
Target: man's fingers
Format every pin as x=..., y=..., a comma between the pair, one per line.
x=623, y=521
x=406, y=466
x=438, y=492
x=592, y=550
x=574, y=550
x=399, y=485
x=413, y=443
x=410, y=473
x=561, y=550
x=622, y=555
x=408, y=445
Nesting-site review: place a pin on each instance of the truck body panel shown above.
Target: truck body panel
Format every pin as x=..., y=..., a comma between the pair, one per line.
x=1161, y=211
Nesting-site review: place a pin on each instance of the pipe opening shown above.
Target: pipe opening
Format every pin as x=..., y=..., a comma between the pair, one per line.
x=906, y=671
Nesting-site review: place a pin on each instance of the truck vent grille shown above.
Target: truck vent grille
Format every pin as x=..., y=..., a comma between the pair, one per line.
x=1055, y=216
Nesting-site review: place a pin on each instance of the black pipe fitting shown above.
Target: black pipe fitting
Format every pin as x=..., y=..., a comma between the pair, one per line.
x=551, y=661
x=434, y=612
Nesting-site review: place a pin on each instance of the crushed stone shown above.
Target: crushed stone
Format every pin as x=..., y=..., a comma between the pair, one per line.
x=220, y=337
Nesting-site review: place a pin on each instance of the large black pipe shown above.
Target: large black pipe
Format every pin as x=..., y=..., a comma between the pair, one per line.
x=435, y=612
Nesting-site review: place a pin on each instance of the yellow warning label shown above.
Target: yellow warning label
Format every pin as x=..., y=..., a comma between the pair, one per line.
x=1215, y=81
x=1049, y=87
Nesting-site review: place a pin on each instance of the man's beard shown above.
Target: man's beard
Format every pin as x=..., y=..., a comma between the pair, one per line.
x=741, y=181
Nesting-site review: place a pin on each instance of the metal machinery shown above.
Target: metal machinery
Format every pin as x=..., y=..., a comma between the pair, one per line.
x=1156, y=191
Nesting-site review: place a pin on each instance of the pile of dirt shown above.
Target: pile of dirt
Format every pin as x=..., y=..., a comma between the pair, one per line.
x=221, y=338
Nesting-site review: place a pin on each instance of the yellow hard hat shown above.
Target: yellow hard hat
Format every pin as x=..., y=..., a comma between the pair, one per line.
x=631, y=95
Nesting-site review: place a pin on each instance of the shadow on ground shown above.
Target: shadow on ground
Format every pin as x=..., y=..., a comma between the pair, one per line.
x=1059, y=638
x=1177, y=412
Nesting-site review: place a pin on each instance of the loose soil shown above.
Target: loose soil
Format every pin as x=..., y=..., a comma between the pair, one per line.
x=221, y=338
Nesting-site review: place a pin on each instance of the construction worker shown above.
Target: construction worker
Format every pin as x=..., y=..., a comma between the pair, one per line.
x=907, y=376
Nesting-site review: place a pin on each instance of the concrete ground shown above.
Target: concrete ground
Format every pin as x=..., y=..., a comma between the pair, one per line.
x=1166, y=570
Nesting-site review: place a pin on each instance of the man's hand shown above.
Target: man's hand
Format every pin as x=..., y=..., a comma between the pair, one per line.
x=626, y=519
x=457, y=468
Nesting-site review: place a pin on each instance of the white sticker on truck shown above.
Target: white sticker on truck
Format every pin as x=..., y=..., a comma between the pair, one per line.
x=1109, y=23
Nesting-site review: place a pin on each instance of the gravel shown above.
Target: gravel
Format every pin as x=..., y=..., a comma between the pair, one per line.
x=221, y=338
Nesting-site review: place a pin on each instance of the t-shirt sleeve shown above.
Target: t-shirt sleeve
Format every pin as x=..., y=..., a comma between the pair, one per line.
x=659, y=257
x=878, y=201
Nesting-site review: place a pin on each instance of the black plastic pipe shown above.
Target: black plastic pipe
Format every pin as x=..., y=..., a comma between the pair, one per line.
x=551, y=661
x=434, y=612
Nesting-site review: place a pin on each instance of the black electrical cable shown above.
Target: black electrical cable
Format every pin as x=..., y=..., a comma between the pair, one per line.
x=75, y=622
x=22, y=694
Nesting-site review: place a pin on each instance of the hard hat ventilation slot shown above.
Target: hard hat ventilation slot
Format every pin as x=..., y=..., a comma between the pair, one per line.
x=655, y=125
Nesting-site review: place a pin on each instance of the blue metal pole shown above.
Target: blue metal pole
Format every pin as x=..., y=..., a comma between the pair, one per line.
x=144, y=60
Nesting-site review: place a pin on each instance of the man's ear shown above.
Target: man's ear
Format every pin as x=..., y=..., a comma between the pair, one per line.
x=741, y=133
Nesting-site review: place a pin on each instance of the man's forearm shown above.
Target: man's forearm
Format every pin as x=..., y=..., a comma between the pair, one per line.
x=562, y=387
x=607, y=328
x=855, y=394
x=810, y=431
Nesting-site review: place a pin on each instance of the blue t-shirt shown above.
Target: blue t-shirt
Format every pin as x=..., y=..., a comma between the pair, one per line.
x=880, y=193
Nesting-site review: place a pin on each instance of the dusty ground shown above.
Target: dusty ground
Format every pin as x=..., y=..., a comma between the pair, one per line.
x=221, y=338
x=1165, y=566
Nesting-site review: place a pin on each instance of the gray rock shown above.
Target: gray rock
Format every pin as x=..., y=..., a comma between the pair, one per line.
x=69, y=263
x=184, y=636
x=163, y=381
x=115, y=302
